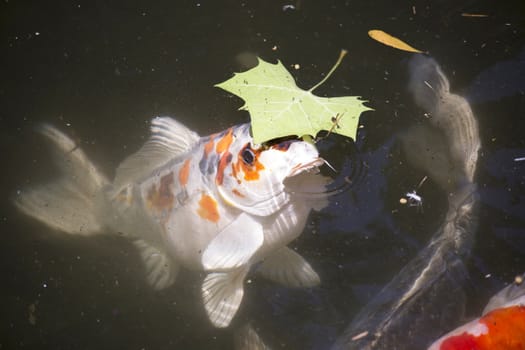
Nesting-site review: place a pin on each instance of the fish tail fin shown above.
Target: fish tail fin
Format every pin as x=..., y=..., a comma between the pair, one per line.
x=69, y=204
x=427, y=82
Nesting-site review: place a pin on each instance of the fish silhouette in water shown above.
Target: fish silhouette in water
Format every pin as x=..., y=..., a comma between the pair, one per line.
x=453, y=162
x=502, y=325
x=405, y=313
x=217, y=204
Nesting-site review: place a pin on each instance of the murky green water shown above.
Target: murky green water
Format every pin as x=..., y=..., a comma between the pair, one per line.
x=100, y=71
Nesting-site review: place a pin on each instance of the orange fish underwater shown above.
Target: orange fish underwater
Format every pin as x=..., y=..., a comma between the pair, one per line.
x=502, y=326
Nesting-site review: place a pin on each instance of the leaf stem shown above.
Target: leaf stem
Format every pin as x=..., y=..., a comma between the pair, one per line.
x=341, y=56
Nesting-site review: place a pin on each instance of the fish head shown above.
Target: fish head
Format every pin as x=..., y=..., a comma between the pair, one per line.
x=254, y=179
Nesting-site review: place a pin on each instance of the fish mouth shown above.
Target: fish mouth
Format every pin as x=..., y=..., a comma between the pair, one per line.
x=302, y=167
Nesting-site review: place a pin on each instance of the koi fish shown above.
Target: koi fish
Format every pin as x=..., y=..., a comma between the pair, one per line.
x=445, y=147
x=218, y=204
x=502, y=325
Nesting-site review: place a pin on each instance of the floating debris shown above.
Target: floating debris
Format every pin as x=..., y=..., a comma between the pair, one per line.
x=389, y=40
x=360, y=336
x=475, y=15
x=518, y=280
x=31, y=309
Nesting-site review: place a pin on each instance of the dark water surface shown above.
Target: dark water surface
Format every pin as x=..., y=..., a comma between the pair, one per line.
x=101, y=69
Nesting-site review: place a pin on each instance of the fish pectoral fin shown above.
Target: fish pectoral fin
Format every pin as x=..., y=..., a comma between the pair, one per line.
x=161, y=269
x=234, y=245
x=222, y=294
x=289, y=269
x=169, y=138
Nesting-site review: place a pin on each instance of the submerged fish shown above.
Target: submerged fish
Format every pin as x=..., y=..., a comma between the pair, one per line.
x=217, y=204
x=502, y=325
x=405, y=311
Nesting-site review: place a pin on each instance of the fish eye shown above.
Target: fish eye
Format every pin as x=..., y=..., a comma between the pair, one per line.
x=248, y=156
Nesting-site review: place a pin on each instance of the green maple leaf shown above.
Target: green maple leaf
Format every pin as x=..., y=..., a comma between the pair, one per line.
x=279, y=108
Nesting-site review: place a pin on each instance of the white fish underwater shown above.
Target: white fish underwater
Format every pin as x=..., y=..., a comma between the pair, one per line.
x=217, y=204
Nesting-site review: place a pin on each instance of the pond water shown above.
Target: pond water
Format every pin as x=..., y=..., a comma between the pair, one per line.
x=100, y=70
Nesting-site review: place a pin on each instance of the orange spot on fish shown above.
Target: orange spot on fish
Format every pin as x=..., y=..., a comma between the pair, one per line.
x=225, y=142
x=237, y=193
x=250, y=171
x=506, y=330
x=234, y=171
x=124, y=196
x=208, y=208
x=226, y=158
x=162, y=198
x=184, y=173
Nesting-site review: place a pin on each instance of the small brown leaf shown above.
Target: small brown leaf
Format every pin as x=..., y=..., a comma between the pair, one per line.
x=389, y=40
x=478, y=15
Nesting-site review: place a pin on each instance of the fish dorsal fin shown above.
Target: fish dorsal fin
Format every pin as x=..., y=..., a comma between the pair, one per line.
x=289, y=269
x=234, y=245
x=169, y=138
x=161, y=270
x=222, y=294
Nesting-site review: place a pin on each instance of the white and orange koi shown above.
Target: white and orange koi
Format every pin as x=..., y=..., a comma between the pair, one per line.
x=217, y=204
